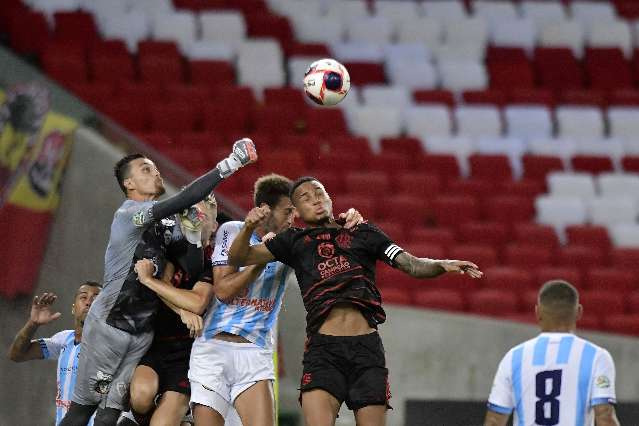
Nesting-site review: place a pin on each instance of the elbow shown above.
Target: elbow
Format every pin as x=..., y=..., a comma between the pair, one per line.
x=15, y=357
x=200, y=308
x=236, y=260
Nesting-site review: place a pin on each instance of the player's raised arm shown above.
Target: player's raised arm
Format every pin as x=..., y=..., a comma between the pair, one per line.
x=430, y=268
x=496, y=419
x=242, y=252
x=605, y=415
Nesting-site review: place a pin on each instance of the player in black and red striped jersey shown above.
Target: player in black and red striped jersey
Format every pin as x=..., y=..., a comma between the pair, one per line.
x=344, y=359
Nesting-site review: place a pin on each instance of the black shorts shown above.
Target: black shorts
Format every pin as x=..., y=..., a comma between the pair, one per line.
x=170, y=360
x=351, y=368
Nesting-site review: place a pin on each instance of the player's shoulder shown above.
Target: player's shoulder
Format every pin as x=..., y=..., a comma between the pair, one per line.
x=599, y=350
x=63, y=336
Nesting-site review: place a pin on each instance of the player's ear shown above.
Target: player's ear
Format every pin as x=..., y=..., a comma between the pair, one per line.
x=73, y=309
x=128, y=184
x=580, y=312
x=537, y=312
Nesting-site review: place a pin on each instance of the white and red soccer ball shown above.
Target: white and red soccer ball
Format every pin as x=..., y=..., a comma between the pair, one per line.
x=326, y=82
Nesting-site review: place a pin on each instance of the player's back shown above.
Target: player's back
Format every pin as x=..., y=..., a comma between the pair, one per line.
x=553, y=379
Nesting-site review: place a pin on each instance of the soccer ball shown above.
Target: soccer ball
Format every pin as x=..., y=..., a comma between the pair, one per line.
x=326, y=82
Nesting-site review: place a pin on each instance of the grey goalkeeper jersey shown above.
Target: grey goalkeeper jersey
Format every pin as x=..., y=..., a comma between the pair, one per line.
x=125, y=303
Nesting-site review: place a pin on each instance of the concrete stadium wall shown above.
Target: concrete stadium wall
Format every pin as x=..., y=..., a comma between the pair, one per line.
x=436, y=355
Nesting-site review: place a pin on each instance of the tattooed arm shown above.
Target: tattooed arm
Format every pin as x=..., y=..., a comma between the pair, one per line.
x=421, y=268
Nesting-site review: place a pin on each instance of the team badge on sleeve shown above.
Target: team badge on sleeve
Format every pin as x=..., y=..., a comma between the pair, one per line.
x=602, y=382
x=139, y=218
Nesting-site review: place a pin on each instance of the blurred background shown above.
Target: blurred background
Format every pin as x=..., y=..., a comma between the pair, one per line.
x=503, y=132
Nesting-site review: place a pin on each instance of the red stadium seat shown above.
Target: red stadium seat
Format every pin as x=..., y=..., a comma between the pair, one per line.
x=491, y=233
x=284, y=96
x=547, y=273
x=579, y=97
x=507, y=278
x=491, y=167
x=218, y=118
x=28, y=31
x=434, y=97
x=411, y=211
x=592, y=164
x=531, y=233
x=332, y=181
x=630, y=163
x=147, y=93
x=366, y=73
x=387, y=277
x=394, y=162
x=508, y=209
x=405, y=145
x=286, y=162
x=482, y=255
x=394, y=229
x=627, y=9
x=110, y=62
x=419, y=184
x=425, y=249
x=440, y=299
x=622, y=324
x=522, y=188
x=491, y=302
x=527, y=302
x=174, y=117
x=444, y=165
x=211, y=73
x=396, y=296
x=267, y=25
x=364, y=203
x=327, y=122
x=509, y=67
x=601, y=303
x=65, y=63
x=621, y=97
x=355, y=144
x=451, y=210
x=75, y=26
x=311, y=146
x=532, y=97
x=159, y=141
x=484, y=97
x=527, y=255
x=558, y=68
x=476, y=187
x=130, y=114
x=280, y=120
x=591, y=235
x=440, y=236
x=589, y=322
x=632, y=301
x=607, y=68
x=206, y=142
x=580, y=255
x=359, y=182
x=195, y=95
x=458, y=282
x=625, y=258
x=611, y=279
x=160, y=62
x=97, y=94
x=306, y=49
x=538, y=166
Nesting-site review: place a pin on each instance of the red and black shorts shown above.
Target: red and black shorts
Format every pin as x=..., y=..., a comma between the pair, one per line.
x=170, y=360
x=351, y=368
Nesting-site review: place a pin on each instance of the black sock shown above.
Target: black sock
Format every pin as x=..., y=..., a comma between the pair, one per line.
x=78, y=415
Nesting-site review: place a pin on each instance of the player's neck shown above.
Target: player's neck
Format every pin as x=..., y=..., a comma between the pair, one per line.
x=78, y=331
x=328, y=222
x=558, y=328
x=136, y=196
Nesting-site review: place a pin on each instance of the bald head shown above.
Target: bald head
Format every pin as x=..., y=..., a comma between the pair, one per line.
x=558, y=304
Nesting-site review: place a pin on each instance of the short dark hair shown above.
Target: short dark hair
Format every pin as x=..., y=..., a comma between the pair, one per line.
x=558, y=293
x=121, y=169
x=90, y=284
x=300, y=181
x=269, y=189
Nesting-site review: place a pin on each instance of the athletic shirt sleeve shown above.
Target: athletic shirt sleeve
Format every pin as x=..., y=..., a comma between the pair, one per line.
x=603, y=383
x=384, y=248
x=223, y=240
x=135, y=214
x=51, y=346
x=281, y=247
x=501, y=395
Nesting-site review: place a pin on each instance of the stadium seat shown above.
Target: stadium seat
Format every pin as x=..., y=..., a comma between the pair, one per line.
x=427, y=120
x=611, y=279
x=97, y=95
x=624, y=122
x=395, y=96
x=396, y=296
x=110, y=62
x=412, y=75
x=444, y=97
x=440, y=299
x=608, y=69
x=196, y=95
x=128, y=113
x=618, y=184
x=543, y=13
x=269, y=26
x=407, y=209
x=632, y=300
x=361, y=182
x=582, y=123
x=226, y=26
x=132, y=26
x=533, y=97
x=476, y=121
x=630, y=163
x=584, y=97
x=622, y=323
x=527, y=255
x=528, y=121
x=425, y=30
x=446, y=166
x=612, y=210
x=201, y=70
x=483, y=255
x=490, y=167
x=160, y=62
x=591, y=235
x=451, y=210
x=178, y=26
x=624, y=257
x=325, y=122
x=484, y=97
x=491, y=302
x=560, y=211
x=459, y=75
x=477, y=188
x=571, y=184
x=508, y=209
x=397, y=12
x=579, y=255
x=319, y=29
x=490, y=233
x=260, y=64
x=363, y=203
x=539, y=166
x=369, y=29
x=218, y=118
x=65, y=63
x=588, y=12
x=173, y=117
x=388, y=277
x=507, y=278
x=572, y=274
x=566, y=34
x=445, y=10
x=140, y=92
x=536, y=234
x=514, y=32
x=602, y=303
x=557, y=68
x=423, y=249
x=624, y=234
x=366, y=72
x=375, y=122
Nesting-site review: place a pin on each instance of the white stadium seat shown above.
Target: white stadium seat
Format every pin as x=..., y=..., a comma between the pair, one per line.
x=543, y=12
x=624, y=122
x=459, y=146
x=528, y=121
x=589, y=11
x=564, y=184
x=177, y=26
x=227, y=26
x=375, y=29
x=465, y=53
x=151, y=7
x=618, y=184
x=406, y=52
x=311, y=29
x=297, y=66
x=428, y=121
x=569, y=34
x=297, y=9
x=412, y=75
x=259, y=64
x=463, y=75
x=611, y=34
x=397, y=12
x=375, y=122
x=607, y=147
x=612, y=210
x=426, y=30
x=560, y=147
x=581, y=123
x=560, y=211
x=478, y=121
x=445, y=9
x=338, y=9
x=520, y=32
x=206, y=49
x=357, y=52
x=132, y=26
x=495, y=11
x=466, y=31
x=625, y=235
x=396, y=96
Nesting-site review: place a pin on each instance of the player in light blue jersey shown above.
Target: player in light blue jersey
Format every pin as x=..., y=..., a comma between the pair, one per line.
x=63, y=346
x=557, y=378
